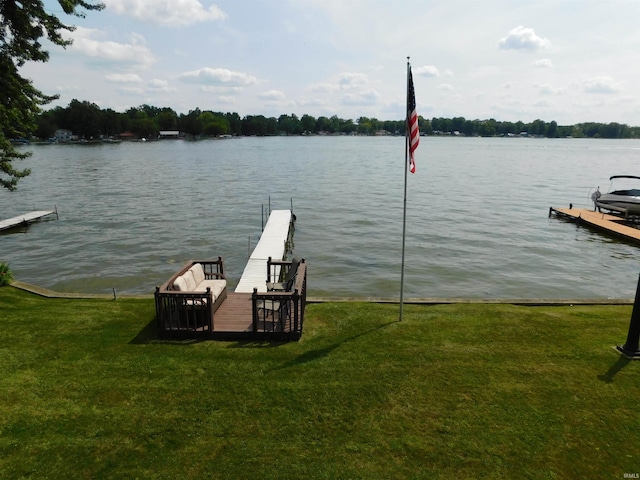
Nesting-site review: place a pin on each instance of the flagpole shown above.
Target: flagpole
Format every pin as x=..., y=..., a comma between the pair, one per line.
x=404, y=209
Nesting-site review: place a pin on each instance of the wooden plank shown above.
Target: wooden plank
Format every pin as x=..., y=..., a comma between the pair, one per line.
x=602, y=221
x=234, y=315
x=26, y=218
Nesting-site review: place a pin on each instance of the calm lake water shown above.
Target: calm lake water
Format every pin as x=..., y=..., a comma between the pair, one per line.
x=477, y=218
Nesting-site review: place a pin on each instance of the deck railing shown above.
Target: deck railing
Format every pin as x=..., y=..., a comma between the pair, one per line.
x=281, y=313
x=188, y=314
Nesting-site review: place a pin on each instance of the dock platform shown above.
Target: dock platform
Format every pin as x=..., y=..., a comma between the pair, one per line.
x=273, y=243
x=611, y=224
x=26, y=219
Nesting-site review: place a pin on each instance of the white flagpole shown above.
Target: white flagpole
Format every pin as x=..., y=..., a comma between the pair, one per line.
x=404, y=210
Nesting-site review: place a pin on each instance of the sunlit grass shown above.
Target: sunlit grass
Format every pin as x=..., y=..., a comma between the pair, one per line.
x=453, y=391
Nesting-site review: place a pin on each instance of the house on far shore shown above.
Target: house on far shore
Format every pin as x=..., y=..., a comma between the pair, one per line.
x=64, y=135
x=127, y=136
x=169, y=134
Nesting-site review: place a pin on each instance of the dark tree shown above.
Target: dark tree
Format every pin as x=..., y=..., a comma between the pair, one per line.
x=24, y=23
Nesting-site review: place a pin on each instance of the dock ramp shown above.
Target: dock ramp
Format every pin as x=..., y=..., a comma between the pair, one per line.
x=26, y=219
x=273, y=243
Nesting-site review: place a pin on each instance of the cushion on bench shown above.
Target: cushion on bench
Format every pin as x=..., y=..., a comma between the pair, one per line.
x=198, y=273
x=216, y=286
x=185, y=282
x=194, y=280
x=180, y=284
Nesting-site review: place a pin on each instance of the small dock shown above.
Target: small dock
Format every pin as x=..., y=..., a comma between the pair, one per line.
x=611, y=224
x=26, y=219
x=273, y=243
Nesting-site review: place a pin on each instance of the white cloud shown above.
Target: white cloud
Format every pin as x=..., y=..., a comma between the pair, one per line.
x=445, y=87
x=109, y=52
x=521, y=38
x=168, y=13
x=272, y=95
x=227, y=99
x=546, y=89
x=160, y=86
x=543, y=104
x=130, y=91
x=427, y=71
x=218, y=77
x=368, y=97
x=348, y=80
x=323, y=88
x=602, y=84
x=123, y=78
x=313, y=102
x=543, y=63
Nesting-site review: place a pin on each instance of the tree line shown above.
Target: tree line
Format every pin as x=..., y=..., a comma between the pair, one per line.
x=87, y=120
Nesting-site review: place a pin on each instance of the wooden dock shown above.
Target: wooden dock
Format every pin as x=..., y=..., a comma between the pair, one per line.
x=234, y=317
x=245, y=313
x=610, y=224
x=26, y=219
x=273, y=243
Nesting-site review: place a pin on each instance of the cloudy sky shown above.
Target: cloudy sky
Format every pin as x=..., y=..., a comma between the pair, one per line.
x=569, y=61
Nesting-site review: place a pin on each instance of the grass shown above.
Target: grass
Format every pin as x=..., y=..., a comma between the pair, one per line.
x=453, y=391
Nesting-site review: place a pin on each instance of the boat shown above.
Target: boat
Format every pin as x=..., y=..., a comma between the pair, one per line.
x=623, y=196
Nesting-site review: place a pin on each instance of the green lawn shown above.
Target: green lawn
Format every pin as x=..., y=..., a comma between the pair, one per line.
x=453, y=391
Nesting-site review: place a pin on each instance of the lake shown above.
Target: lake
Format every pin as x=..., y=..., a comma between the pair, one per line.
x=477, y=214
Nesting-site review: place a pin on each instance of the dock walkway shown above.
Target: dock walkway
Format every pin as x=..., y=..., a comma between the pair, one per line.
x=272, y=243
x=607, y=223
x=25, y=219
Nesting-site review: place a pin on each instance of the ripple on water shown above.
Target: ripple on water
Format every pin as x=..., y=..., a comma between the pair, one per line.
x=477, y=223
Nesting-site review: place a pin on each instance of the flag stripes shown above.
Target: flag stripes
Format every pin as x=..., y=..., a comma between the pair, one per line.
x=412, y=123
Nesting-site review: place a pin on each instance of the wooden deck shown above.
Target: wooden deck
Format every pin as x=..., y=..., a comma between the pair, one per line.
x=611, y=224
x=26, y=219
x=234, y=320
x=234, y=316
x=251, y=312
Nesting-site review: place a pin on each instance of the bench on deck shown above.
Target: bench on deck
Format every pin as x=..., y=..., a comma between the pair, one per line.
x=186, y=303
x=280, y=310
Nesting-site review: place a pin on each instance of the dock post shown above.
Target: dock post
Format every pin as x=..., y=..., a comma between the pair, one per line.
x=630, y=349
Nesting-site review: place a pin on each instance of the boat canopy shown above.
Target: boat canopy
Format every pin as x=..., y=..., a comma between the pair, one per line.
x=624, y=176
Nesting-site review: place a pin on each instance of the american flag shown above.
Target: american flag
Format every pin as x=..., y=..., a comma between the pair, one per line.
x=412, y=123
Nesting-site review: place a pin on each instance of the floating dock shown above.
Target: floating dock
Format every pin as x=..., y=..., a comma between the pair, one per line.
x=26, y=219
x=611, y=224
x=273, y=243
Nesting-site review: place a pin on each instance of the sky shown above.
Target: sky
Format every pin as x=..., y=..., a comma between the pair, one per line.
x=569, y=61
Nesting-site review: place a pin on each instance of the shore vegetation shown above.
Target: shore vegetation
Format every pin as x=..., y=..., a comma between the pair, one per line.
x=87, y=120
